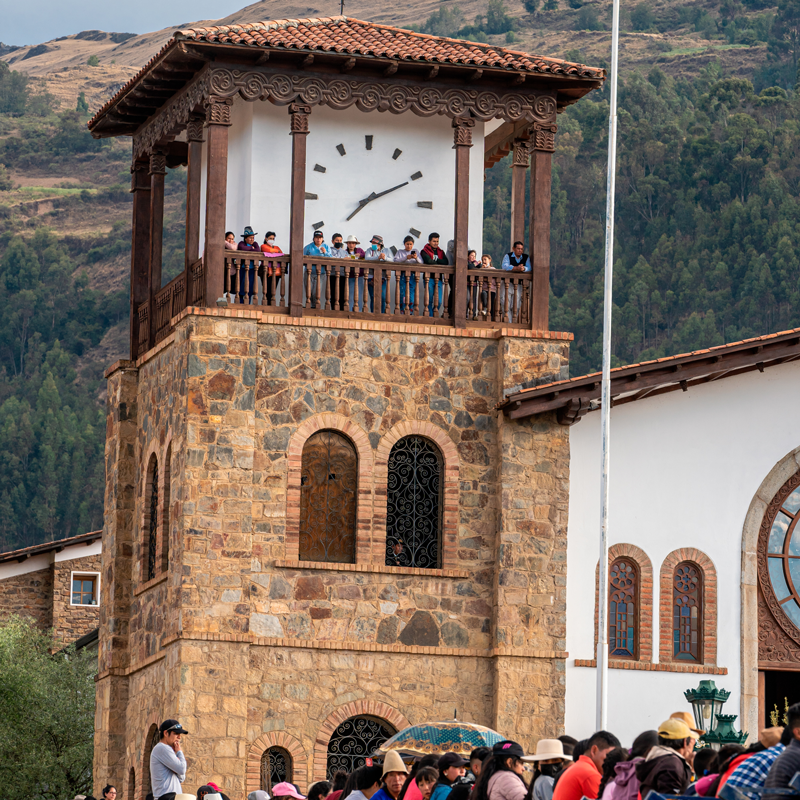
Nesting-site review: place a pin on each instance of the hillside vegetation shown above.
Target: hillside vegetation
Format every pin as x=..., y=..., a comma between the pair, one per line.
x=708, y=220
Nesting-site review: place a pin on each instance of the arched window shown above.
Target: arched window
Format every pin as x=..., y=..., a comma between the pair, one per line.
x=276, y=767
x=328, y=492
x=150, y=741
x=165, y=513
x=353, y=741
x=687, y=612
x=151, y=519
x=414, y=504
x=132, y=784
x=623, y=609
x=783, y=557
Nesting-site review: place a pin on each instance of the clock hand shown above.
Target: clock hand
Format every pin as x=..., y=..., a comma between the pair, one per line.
x=374, y=196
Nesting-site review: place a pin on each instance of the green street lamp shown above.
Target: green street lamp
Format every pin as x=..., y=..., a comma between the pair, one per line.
x=707, y=702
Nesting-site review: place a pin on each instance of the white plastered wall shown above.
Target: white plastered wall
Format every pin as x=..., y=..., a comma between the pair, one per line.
x=259, y=174
x=685, y=467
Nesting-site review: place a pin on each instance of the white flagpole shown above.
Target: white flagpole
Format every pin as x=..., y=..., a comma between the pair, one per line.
x=605, y=412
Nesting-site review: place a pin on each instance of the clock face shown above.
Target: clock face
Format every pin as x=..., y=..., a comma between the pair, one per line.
x=367, y=184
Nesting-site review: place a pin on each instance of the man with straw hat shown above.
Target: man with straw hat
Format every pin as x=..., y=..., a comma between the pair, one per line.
x=394, y=776
x=550, y=759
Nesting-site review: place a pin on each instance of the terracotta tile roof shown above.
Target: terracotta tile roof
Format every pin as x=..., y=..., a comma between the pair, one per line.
x=47, y=547
x=354, y=37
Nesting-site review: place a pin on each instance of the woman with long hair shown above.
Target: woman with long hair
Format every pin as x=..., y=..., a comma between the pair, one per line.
x=501, y=774
x=411, y=789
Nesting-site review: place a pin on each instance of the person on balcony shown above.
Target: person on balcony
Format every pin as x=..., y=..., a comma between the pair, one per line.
x=377, y=252
x=230, y=240
x=316, y=248
x=269, y=270
x=516, y=261
x=355, y=253
x=338, y=250
x=408, y=255
x=247, y=270
x=434, y=255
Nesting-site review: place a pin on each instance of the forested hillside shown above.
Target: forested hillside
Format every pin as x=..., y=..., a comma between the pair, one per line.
x=708, y=229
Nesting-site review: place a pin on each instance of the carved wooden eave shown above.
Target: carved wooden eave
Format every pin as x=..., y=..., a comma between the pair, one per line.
x=572, y=399
x=192, y=71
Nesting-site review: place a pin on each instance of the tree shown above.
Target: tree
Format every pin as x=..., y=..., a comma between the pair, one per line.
x=587, y=20
x=784, y=41
x=6, y=184
x=48, y=703
x=13, y=90
x=444, y=22
x=83, y=106
x=497, y=21
x=550, y=5
x=531, y=6
x=641, y=17
x=93, y=61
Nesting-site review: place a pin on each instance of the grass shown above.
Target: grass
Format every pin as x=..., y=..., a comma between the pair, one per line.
x=688, y=51
x=39, y=192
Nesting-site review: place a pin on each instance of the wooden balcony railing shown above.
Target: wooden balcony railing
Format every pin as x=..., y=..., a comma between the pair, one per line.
x=339, y=287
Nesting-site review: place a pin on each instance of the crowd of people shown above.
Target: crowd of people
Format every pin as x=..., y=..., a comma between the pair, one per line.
x=484, y=299
x=664, y=761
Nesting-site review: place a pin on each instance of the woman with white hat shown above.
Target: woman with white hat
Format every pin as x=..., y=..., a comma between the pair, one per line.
x=550, y=760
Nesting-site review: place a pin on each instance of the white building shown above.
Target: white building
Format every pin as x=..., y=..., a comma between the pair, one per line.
x=698, y=478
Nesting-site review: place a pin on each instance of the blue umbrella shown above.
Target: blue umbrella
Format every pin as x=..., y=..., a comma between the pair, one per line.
x=441, y=737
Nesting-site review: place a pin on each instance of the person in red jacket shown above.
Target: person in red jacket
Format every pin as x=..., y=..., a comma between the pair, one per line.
x=434, y=255
x=583, y=778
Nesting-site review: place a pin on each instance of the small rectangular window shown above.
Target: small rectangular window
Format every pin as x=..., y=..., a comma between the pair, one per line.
x=84, y=590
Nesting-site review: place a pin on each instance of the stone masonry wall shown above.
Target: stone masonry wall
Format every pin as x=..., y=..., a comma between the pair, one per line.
x=29, y=595
x=71, y=622
x=251, y=646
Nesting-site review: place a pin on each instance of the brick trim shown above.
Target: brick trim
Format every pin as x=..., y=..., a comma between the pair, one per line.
x=376, y=568
x=708, y=656
x=645, y=566
x=360, y=440
x=449, y=489
x=287, y=742
x=152, y=723
x=698, y=669
x=356, y=708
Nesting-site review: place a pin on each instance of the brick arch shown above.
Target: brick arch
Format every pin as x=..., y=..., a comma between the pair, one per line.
x=288, y=743
x=130, y=788
x=152, y=723
x=449, y=490
x=356, y=708
x=709, y=633
x=360, y=440
x=642, y=560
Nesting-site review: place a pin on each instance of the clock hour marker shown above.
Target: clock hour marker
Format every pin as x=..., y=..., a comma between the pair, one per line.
x=415, y=233
x=368, y=140
x=416, y=176
x=320, y=168
x=424, y=204
x=317, y=225
x=340, y=148
x=394, y=250
x=397, y=153
x=311, y=196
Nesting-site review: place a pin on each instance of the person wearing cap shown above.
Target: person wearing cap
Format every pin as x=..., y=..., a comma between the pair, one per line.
x=316, y=247
x=501, y=774
x=550, y=760
x=788, y=762
x=451, y=767
x=258, y=794
x=167, y=762
x=377, y=252
x=394, y=776
x=751, y=774
x=355, y=253
x=583, y=778
x=368, y=783
x=666, y=768
x=286, y=789
x=686, y=717
x=247, y=272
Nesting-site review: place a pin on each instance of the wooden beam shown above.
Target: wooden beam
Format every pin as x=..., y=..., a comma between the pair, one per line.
x=519, y=173
x=391, y=69
x=140, y=246
x=347, y=65
x=541, y=165
x=194, y=136
x=307, y=61
x=158, y=171
x=475, y=76
x=298, y=114
x=432, y=72
x=462, y=142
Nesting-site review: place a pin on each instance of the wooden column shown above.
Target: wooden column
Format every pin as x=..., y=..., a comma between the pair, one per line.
x=194, y=135
x=298, y=114
x=519, y=171
x=218, y=120
x=158, y=171
x=542, y=148
x=140, y=246
x=462, y=142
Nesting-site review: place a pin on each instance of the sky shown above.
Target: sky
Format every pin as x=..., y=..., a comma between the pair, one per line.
x=36, y=21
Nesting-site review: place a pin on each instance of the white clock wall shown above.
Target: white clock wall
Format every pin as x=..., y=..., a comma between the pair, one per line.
x=343, y=168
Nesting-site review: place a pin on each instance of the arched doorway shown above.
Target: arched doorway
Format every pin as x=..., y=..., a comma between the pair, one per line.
x=354, y=740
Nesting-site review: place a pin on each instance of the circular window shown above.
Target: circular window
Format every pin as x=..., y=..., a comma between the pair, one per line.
x=779, y=557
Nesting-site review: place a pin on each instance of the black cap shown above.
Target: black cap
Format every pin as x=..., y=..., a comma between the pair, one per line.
x=451, y=760
x=171, y=726
x=508, y=748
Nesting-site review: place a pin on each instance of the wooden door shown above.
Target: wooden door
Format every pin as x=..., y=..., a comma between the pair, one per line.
x=329, y=482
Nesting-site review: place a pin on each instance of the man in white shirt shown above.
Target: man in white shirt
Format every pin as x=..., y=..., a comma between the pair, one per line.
x=167, y=762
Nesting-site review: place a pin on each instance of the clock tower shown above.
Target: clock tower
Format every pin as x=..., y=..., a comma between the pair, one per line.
x=318, y=530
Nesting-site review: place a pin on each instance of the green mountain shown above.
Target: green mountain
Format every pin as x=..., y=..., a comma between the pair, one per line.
x=708, y=224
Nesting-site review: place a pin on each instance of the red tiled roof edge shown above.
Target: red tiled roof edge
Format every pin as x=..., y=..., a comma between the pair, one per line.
x=515, y=59
x=47, y=547
x=655, y=362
